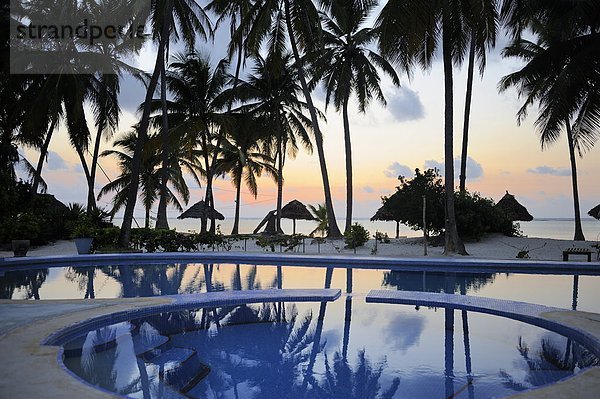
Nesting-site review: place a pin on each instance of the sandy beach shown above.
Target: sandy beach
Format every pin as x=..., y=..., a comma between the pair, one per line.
x=490, y=247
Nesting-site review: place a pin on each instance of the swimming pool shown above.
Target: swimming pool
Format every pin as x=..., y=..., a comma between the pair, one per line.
x=347, y=348
x=579, y=291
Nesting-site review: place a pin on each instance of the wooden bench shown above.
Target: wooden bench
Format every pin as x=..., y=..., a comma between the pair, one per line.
x=577, y=251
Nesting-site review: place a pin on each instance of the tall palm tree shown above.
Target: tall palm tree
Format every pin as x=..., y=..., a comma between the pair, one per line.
x=561, y=74
x=149, y=178
x=196, y=111
x=273, y=23
x=483, y=24
x=271, y=92
x=190, y=16
x=242, y=157
x=411, y=31
x=348, y=66
x=187, y=21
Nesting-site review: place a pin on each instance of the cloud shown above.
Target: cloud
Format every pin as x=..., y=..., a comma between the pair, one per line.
x=396, y=169
x=56, y=162
x=474, y=168
x=405, y=105
x=549, y=170
x=368, y=189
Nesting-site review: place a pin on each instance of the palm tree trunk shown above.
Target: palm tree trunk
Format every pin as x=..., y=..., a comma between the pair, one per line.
x=43, y=152
x=161, y=216
x=348, y=145
x=136, y=162
x=95, y=155
x=578, y=230
x=465, y=142
x=91, y=200
x=453, y=241
x=333, y=231
x=279, y=181
x=147, y=217
x=238, y=189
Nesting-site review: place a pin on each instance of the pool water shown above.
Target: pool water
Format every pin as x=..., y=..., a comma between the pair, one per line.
x=564, y=291
x=342, y=349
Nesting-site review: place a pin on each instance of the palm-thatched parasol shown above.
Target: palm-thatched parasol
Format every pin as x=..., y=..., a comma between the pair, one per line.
x=512, y=209
x=385, y=215
x=201, y=211
x=595, y=212
x=296, y=210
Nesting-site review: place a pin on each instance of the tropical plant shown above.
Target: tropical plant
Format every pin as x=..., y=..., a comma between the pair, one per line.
x=483, y=24
x=413, y=31
x=271, y=93
x=149, y=179
x=356, y=237
x=348, y=66
x=320, y=214
x=195, y=114
x=242, y=159
x=559, y=75
x=273, y=23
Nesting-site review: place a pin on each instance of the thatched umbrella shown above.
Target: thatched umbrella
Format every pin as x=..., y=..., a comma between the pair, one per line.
x=595, y=212
x=512, y=209
x=384, y=215
x=296, y=210
x=201, y=211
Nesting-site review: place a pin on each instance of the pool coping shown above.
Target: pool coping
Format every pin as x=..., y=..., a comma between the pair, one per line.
x=443, y=264
x=550, y=318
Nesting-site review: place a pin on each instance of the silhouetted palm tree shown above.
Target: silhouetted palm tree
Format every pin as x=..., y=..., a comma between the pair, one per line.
x=348, y=67
x=412, y=31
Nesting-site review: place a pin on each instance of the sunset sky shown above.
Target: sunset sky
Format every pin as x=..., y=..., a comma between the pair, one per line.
x=386, y=142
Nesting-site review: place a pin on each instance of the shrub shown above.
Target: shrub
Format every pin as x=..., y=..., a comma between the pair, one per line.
x=356, y=237
x=21, y=227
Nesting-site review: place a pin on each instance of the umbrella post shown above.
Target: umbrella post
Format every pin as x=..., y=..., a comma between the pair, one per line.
x=294, y=221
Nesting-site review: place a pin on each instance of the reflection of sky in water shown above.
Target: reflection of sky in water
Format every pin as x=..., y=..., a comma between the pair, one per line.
x=379, y=349
x=150, y=280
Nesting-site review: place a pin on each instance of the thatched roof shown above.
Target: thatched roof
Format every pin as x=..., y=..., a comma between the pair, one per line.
x=296, y=210
x=201, y=211
x=49, y=202
x=511, y=207
x=595, y=212
x=383, y=214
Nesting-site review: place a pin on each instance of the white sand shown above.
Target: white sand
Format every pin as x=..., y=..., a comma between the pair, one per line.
x=490, y=247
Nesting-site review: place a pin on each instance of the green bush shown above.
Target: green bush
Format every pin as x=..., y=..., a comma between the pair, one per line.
x=287, y=242
x=21, y=227
x=475, y=215
x=356, y=237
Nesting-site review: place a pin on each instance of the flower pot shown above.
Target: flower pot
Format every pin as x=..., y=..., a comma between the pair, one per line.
x=20, y=247
x=83, y=245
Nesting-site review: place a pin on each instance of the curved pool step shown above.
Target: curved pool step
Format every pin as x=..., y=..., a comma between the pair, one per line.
x=148, y=346
x=182, y=368
x=103, y=339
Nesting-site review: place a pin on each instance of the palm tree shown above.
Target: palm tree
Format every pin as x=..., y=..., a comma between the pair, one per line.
x=349, y=66
x=410, y=31
x=483, y=24
x=273, y=23
x=195, y=113
x=149, y=178
x=271, y=93
x=242, y=158
x=556, y=76
x=187, y=20
x=193, y=20
x=320, y=214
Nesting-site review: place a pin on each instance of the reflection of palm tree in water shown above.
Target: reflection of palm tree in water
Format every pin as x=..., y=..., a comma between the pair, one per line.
x=147, y=280
x=29, y=280
x=434, y=281
x=549, y=364
x=85, y=279
x=342, y=382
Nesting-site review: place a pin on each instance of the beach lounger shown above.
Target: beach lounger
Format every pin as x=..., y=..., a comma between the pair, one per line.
x=577, y=251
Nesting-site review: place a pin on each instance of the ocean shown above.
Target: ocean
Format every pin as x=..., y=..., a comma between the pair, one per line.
x=543, y=228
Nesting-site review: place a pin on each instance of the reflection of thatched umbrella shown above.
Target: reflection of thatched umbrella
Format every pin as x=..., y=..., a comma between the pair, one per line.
x=201, y=211
x=296, y=210
x=386, y=216
x=512, y=209
x=595, y=212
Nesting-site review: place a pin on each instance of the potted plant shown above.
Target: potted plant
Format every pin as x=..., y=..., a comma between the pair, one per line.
x=23, y=229
x=83, y=235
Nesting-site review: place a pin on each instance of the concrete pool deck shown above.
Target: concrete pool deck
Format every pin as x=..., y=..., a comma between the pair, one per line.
x=25, y=324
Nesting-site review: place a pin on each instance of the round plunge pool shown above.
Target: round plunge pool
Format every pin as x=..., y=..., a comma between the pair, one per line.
x=342, y=349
